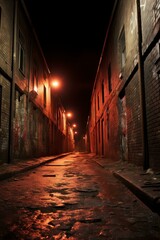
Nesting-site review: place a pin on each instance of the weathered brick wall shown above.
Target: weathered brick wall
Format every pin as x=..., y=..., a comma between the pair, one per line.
x=113, y=140
x=6, y=30
x=4, y=128
x=31, y=120
x=152, y=80
x=127, y=86
x=151, y=27
x=124, y=17
x=34, y=124
x=134, y=122
x=150, y=14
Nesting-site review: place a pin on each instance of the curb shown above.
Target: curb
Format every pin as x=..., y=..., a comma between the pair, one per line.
x=152, y=202
x=26, y=168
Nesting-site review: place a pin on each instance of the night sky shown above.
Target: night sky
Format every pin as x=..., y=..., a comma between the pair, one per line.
x=71, y=34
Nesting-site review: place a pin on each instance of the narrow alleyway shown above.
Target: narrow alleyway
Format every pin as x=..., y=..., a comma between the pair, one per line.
x=73, y=198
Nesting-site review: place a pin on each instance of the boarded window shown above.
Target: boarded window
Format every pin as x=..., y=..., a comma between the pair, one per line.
x=21, y=54
x=122, y=45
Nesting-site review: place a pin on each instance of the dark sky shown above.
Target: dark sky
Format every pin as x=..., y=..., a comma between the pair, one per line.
x=71, y=34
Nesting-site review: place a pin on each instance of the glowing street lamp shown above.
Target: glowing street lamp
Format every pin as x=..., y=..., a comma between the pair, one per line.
x=55, y=84
x=55, y=87
x=69, y=114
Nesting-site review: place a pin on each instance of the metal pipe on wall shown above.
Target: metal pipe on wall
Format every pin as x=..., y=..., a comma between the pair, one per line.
x=12, y=94
x=142, y=89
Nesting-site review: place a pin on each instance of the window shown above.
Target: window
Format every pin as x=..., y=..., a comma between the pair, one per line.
x=103, y=91
x=44, y=97
x=98, y=101
x=21, y=58
x=0, y=104
x=109, y=78
x=0, y=16
x=21, y=52
x=122, y=45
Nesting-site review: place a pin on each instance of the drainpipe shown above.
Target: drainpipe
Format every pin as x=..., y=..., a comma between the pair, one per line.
x=12, y=92
x=142, y=90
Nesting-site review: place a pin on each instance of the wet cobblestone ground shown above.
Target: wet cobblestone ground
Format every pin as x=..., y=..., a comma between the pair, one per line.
x=73, y=198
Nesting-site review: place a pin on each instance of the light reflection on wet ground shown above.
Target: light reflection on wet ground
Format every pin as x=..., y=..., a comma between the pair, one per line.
x=73, y=198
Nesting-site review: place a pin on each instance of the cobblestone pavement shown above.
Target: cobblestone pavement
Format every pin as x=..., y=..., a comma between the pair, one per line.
x=144, y=184
x=75, y=197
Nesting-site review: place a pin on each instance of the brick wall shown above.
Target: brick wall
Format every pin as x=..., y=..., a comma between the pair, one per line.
x=152, y=78
x=121, y=110
x=134, y=122
x=4, y=124
x=6, y=30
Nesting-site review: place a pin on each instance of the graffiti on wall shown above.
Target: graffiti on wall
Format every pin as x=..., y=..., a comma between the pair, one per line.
x=133, y=18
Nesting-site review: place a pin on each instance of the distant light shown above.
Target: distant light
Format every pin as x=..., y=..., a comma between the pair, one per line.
x=75, y=132
x=74, y=125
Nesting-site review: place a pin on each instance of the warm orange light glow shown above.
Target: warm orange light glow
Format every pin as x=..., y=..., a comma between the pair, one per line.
x=56, y=83
x=74, y=125
x=35, y=89
x=75, y=132
x=69, y=114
